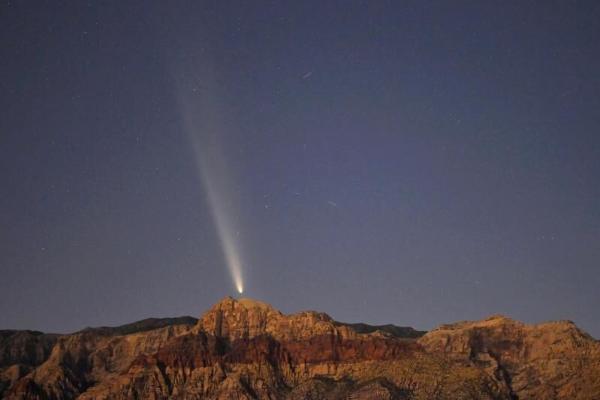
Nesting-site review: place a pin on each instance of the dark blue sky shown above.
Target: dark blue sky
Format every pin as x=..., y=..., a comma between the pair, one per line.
x=390, y=162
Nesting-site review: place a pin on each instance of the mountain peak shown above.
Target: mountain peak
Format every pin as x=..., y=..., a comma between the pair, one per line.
x=229, y=302
x=245, y=318
x=237, y=318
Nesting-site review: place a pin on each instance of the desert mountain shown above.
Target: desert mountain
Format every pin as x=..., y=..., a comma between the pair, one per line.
x=246, y=349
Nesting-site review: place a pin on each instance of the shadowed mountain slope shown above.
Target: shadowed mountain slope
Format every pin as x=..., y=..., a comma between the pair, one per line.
x=143, y=325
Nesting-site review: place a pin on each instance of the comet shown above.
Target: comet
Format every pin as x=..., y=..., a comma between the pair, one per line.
x=202, y=113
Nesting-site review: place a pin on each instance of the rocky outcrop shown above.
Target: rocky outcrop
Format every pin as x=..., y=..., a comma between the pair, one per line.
x=20, y=353
x=27, y=348
x=246, y=318
x=245, y=349
x=82, y=359
x=544, y=361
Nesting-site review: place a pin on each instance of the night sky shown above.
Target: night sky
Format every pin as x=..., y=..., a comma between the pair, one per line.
x=403, y=162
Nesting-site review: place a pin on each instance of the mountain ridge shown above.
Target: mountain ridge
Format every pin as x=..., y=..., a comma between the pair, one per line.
x=246, y=349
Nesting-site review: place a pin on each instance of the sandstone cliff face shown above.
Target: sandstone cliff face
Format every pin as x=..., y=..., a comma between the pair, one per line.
x=29, y=348
x=82, y=359
x=20, y=353
x=246, y=319
x=244, y=349
x=550, y=360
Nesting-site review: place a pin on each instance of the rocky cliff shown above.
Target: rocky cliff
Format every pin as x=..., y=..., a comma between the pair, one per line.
x=545, y=361
x=245, y=349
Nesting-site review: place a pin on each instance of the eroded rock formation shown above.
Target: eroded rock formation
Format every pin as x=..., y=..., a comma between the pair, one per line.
x=245, y=349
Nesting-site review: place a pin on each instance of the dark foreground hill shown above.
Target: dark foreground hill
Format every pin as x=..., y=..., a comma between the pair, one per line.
x=245, y=349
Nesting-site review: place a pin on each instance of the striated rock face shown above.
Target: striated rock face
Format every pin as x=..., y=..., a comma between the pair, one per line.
x=550, y=360
x=28, y=348
x=20, y=353
x=246, y=318
x=245, y=349
x=82, y=359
